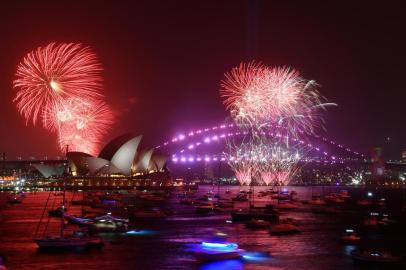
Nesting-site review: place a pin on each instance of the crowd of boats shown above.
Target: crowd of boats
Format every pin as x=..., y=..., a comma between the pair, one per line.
x=116, y=212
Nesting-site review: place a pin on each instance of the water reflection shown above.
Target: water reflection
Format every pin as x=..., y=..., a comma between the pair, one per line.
x=221, y=265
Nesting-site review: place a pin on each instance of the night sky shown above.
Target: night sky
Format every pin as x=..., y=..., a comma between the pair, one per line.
x=164, y=60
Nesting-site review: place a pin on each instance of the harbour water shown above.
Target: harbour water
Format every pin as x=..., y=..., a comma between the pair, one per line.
x=162, y=246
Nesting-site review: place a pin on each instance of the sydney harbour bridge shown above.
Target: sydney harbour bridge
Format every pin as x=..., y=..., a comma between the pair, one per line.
x=199, y=155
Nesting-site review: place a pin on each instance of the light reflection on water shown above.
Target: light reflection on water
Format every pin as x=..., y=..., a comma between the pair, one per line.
x=225, y=264
x=317, y=247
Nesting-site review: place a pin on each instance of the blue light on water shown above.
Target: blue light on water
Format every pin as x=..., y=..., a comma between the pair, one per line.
x=222, y=265
x=256, y=256
x=213, y=248
x=141, y=232
x=220, y=246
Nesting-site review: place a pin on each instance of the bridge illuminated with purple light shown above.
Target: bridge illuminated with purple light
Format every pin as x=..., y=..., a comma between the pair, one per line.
x=207, y=145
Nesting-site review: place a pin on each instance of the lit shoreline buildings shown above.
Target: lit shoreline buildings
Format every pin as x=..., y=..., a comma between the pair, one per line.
x=120, y=164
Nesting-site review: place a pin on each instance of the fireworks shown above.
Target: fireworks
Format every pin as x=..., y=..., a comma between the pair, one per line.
x=53, y=73
x=81, y=124
x=258, y=96
x=60, y=84
x=261, y=98
x=260, y=159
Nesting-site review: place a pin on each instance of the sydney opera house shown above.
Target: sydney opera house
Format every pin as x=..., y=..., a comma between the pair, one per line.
x=121, y=163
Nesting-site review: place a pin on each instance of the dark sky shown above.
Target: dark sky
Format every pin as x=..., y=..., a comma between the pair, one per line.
x=164, y=60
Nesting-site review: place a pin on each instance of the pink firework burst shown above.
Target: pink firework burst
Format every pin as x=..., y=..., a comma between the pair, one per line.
x=56, y=72
x=258, y=96
x=80, y=124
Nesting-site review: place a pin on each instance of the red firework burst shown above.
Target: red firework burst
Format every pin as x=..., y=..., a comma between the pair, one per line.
x=49, y=75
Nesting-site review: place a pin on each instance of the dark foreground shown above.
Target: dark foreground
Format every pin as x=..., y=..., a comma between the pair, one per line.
x=318, y=246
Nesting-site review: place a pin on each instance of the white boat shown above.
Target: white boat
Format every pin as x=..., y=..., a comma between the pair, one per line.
x=112, y=218
x=107, y=226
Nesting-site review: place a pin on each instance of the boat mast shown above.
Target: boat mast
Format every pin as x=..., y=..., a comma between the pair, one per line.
x=64, y=191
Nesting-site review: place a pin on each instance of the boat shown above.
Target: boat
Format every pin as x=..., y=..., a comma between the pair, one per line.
x=283, y=229
x=372, y=220
x=187, y=201
x=382, y=202
x=240, y=198
x=111, y=218
x=386, y=220
x=205, y=208
x=325, y=210
x=150, y=213
x=83, y=221
x=65, y=241
x=283, y=195
x=286, y=206
x=344, y=194
x=58, y=212
x=15, y=199
x=262, y=193
x=208, y=251
x=257, y=224
x=225, y=204
x=371, y=256
x=316, y=200
x=101, y=226
x=334, y=198
x=350, y=236
x=68, y=242
x=364, y=202
x=246, y=215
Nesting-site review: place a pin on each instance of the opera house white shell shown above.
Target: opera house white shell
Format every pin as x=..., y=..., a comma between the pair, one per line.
x=120, y=157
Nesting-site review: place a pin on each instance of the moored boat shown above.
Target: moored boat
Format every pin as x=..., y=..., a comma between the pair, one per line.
x=257, y=224
x=371, y=256
x=283, y=229
x=68, y=242
x=207, y=251
x=246, y=215
x=350, y=236
x=205, y=208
